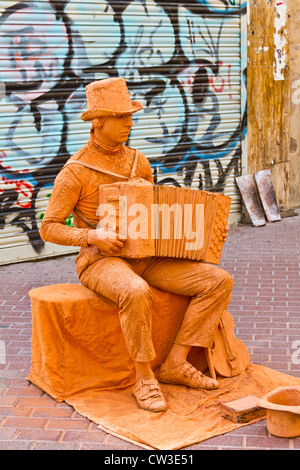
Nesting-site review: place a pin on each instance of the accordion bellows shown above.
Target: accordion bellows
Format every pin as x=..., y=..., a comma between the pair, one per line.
x=165, y=221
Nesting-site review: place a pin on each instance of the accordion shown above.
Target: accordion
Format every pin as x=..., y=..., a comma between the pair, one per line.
x=165, y=221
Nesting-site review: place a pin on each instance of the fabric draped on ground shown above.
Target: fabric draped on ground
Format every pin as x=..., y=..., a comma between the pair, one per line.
x=80, y=357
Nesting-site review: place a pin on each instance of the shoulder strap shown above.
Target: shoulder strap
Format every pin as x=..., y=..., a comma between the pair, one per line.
x=132, y=174
x=84, y=218
x=96, y=168
x=102, y=170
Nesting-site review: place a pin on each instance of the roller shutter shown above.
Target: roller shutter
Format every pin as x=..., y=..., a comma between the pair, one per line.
x=181, y=59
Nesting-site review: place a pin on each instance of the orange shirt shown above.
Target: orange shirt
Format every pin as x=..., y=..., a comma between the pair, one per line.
x=78, y=186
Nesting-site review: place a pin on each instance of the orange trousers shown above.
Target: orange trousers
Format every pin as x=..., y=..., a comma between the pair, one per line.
x=126, y=282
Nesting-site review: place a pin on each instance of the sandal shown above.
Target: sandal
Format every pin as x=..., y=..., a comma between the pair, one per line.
x=186, y=374
x=149, y=396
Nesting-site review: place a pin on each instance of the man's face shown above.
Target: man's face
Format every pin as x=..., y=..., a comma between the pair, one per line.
x=115, y=130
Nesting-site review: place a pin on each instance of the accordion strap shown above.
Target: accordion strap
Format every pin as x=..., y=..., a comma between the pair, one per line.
x=134, y=163
x=84, y=218
x=107, y=172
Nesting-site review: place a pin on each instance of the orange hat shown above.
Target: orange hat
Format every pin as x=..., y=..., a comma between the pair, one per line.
x=109, y=97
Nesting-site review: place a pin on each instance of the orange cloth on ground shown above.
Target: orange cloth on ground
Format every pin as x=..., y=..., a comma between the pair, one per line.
x=79, y=355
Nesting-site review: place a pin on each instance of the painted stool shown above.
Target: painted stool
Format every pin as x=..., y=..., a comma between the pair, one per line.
x=77, y=342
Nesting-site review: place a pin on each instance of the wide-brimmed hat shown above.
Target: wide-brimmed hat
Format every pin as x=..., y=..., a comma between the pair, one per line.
x=109, y=97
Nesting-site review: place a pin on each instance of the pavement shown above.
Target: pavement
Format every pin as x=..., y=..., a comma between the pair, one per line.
x=265, y=305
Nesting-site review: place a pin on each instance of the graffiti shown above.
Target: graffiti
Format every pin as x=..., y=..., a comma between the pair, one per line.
x=181, y=59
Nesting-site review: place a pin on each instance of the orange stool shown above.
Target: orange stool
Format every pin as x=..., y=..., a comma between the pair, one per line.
x=77, y=342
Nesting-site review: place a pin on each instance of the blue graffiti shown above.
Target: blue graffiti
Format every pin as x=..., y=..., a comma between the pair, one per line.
x=226, y=9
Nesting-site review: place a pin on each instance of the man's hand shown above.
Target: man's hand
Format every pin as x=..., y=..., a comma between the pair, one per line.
x=108, y=241
x=225, y=235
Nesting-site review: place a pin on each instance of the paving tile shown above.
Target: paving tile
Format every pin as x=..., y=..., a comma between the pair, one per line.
x=8, y=434
x=16, y=445
x=52, y=412
x=87, y=437
x=38, y=435
x=68, y=424
x=267, y=442
x=54, y=446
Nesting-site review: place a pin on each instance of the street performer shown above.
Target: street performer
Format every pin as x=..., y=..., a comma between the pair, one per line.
x=127, y=281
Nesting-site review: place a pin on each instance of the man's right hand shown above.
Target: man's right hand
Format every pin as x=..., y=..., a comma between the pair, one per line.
x=108, y=241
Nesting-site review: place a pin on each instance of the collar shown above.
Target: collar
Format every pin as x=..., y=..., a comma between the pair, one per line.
x=106, y=149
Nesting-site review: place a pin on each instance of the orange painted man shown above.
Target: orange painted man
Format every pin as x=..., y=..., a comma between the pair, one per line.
x=127, y=281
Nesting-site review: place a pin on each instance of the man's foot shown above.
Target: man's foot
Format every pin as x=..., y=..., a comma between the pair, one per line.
x=149, y=396
x=186, y=374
